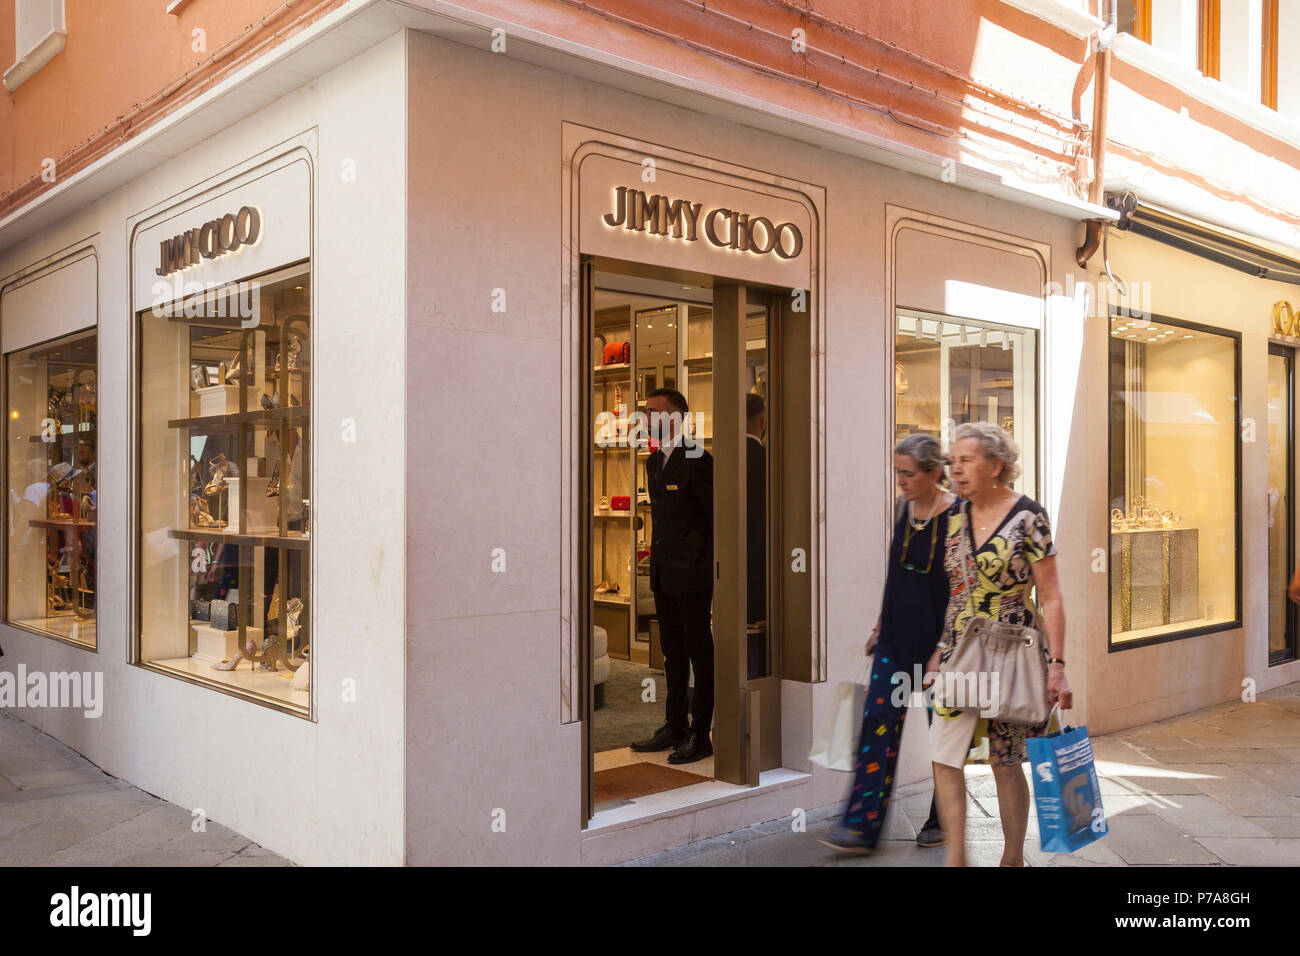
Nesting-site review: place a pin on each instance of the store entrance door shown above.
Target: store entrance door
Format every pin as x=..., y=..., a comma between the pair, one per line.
x=708, y=341
x=1281, y=510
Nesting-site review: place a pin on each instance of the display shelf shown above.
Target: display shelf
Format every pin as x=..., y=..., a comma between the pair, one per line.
x=603, y=372
x=612, y=600
x=295, y=541
x=82, y=433
x=60, y=524
x=706, y=361
x=275, y=417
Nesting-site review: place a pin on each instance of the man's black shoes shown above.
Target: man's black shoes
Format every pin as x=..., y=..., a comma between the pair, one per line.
x=696, y=746
x=665, y=738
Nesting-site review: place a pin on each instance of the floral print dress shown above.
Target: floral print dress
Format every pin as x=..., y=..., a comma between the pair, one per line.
x=1002, y=572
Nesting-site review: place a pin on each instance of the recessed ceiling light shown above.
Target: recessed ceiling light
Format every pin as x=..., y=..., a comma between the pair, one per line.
x=686, y=288
x=1188, y=336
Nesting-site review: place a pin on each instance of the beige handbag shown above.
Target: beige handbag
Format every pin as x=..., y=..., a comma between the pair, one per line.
x=999, y=667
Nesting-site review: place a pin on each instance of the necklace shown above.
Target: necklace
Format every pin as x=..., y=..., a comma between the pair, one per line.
x=911, y=512
x=907, y=538
x=985, y=527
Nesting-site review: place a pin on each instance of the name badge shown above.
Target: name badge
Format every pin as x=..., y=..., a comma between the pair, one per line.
x=672, y=487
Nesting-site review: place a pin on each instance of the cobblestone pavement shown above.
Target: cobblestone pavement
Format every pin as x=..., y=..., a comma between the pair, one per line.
x=1216, y=787
x=59, y=809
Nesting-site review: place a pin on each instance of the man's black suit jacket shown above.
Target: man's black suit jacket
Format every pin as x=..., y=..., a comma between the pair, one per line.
x=681, y=516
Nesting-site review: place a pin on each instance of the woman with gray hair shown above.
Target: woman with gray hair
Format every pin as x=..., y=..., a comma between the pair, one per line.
x=911, y=619
x=998, y=549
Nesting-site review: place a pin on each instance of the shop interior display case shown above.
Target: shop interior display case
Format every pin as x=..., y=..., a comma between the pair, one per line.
x=235, y=500
x=52, y=475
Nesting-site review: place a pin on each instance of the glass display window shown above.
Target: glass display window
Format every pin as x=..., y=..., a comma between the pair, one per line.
x=1174, y=480
x=224, y=493
x=50, y=573
x=950, y=371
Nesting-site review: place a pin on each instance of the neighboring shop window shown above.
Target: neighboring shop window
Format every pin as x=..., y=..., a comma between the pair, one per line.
x=950, y=371
x=225, y=506
x=53, y=496
x=1174, y=467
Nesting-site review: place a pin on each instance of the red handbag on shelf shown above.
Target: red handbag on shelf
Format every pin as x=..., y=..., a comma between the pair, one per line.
x=620, y=503
x=618, y=353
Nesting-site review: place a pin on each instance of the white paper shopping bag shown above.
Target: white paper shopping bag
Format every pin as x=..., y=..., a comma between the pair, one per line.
x=836, y=741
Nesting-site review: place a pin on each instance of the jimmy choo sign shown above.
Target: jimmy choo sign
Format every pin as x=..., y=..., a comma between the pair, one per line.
x=211, y=240
x=1286, y=320
x=659, y=215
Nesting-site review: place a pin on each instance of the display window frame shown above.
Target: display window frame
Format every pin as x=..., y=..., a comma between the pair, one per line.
x=1113, y=646
x=1034, y=394
x=94, y=647
x=1291, y=626
x=285, y=270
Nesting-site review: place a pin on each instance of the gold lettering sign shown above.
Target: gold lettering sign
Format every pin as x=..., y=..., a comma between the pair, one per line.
x=725, y=228
x=1286, y=320
x=209, y=241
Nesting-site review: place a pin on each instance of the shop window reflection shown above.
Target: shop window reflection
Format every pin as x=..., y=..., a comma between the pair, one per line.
x=1173, y=479
x=53, y=488
x=951, y=371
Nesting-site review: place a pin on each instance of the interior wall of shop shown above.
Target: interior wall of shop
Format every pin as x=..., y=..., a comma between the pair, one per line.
x=1138, y=685
x=323, y=792
x=485, y=180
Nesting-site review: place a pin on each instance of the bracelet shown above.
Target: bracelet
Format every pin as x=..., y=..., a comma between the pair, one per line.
x=1056, y=660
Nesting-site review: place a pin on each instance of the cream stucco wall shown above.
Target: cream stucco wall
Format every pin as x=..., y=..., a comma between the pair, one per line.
x=324, y=791
x=484, y=648
x=1137, y=685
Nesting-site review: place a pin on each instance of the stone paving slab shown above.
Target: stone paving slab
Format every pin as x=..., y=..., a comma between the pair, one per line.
x=1218, y=787
x=59, y=809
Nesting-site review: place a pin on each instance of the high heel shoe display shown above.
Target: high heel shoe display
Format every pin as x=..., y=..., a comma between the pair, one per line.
x=249, y=653
x=201, y=517
x=229, y=373
x=273, y=488
x=57, y=588
x=293, y=619
x=294, y=350
x=219, y=468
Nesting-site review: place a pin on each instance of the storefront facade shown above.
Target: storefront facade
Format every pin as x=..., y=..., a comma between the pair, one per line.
x=445, y=277
x=875, y=242
x=1198, y=374
x=293, y=768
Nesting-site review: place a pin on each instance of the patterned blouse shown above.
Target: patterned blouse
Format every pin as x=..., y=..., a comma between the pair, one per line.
x=1002, y=571
x=1002, y=568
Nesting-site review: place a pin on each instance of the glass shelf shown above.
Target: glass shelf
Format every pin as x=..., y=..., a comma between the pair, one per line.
x=296, y=541
x=271, y=419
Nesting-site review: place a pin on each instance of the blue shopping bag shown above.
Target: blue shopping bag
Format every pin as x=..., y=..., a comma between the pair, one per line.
x=1066, y=792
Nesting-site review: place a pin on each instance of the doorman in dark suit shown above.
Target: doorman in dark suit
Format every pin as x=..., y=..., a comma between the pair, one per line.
x=756, y=533
x=680, y=482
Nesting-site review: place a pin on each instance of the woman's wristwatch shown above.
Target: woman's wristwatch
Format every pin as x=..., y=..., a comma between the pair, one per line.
x=1056, y=660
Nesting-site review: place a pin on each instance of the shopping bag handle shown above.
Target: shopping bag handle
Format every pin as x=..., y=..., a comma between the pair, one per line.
x=1060, y=720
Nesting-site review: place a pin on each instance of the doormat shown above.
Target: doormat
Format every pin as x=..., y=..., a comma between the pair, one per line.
x=639, y=779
